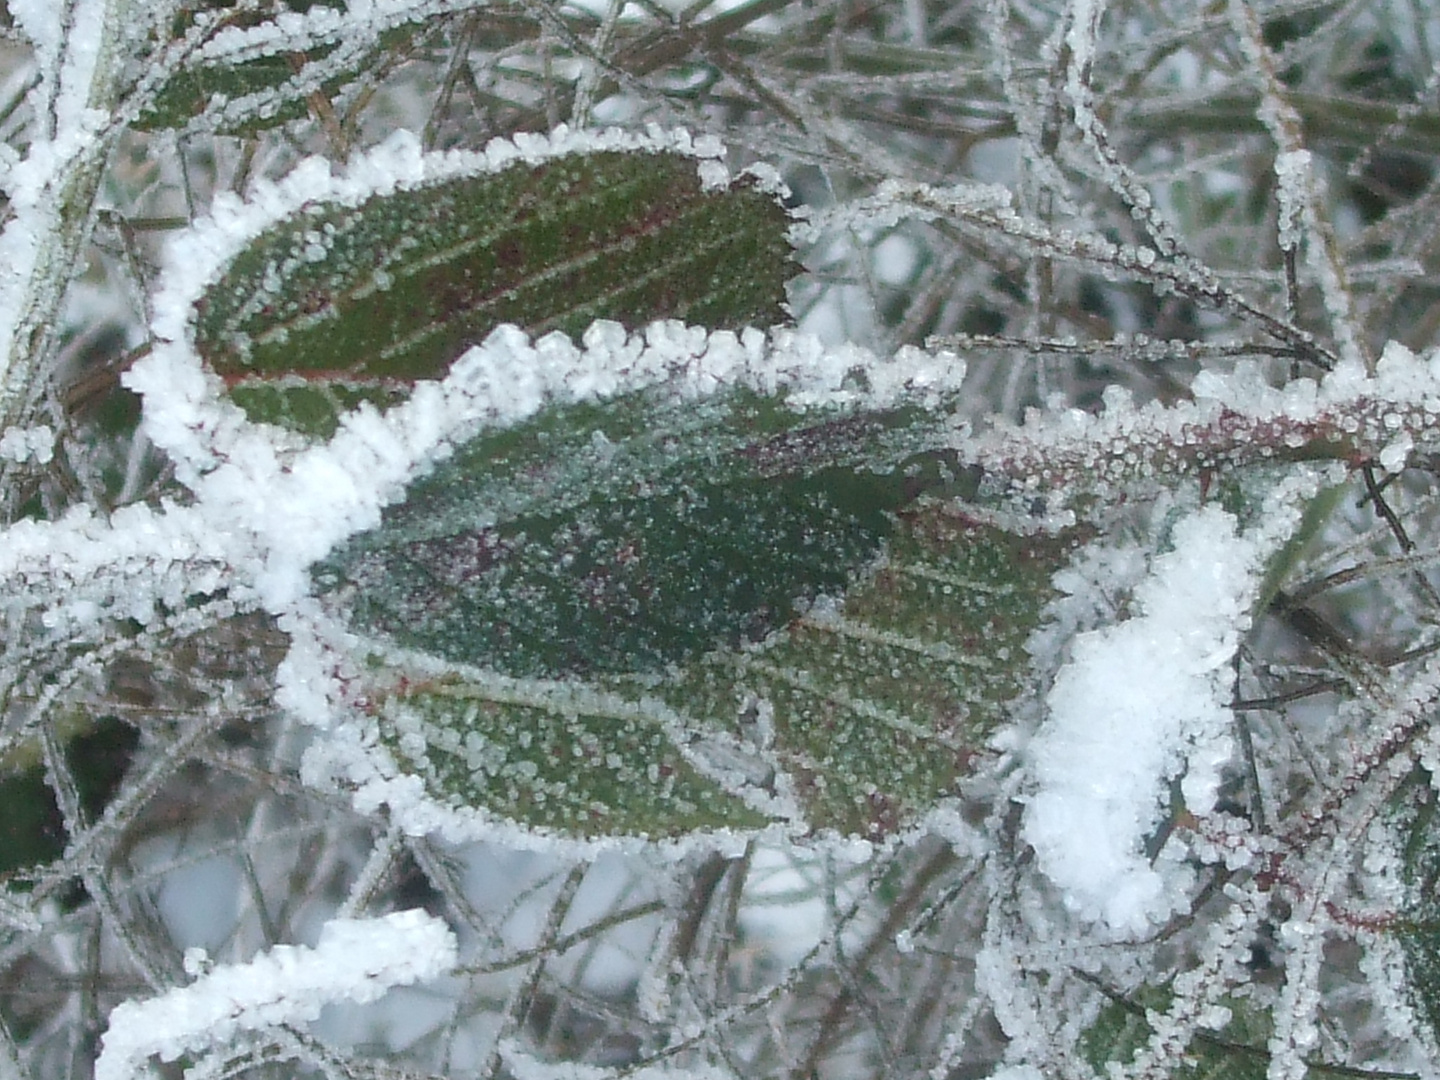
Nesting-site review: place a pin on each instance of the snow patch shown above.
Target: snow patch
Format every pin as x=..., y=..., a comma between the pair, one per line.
x=1138, y=704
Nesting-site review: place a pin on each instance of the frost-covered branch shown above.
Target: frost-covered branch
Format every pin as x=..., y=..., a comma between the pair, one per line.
x=355, y=960
x=51, y=187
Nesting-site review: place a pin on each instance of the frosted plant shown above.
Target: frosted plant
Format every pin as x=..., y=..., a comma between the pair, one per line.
x=740, y=540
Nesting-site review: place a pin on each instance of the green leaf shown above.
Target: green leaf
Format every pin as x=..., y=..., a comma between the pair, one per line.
x=392, y=290
x=1418, y=925
x=191, y=91
x=1238, y=1051
x=878, y=706
x=636, y=535
x=663, y=616
x=559, y=757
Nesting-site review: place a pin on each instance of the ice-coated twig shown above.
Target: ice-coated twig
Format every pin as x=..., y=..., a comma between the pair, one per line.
x=1299, y=190
x=988, y=209
x=51, y=187
x=355, y=960
x=1347, y=416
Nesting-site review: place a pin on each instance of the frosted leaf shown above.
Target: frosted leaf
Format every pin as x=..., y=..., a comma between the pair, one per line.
x=199, y=257
x=1226, y=1039
x=396, y=286
x=538, y=551
x=257, y=72
x=859, y=720
x=366, y=284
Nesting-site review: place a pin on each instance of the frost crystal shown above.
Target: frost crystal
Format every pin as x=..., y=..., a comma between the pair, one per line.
x=26, y=444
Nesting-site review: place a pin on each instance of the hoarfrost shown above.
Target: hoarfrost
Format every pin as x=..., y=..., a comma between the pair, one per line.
x=1296, y=1031
x=28, y=444
x=1393, y=457
x=1017, y=1072
x=1292, y=178
x=355, y=960
x=1084, y=19
x=1138, y=704
x=1135, y=706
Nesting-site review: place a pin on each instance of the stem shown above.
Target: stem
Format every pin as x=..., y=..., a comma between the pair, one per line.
x=52, y=204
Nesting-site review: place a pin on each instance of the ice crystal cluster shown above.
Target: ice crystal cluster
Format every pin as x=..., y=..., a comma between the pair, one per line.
x=747, y=539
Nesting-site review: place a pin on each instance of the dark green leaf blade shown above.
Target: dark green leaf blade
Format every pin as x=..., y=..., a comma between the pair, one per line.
x=557, y=549
x=398, y=286
x=750, y=599
x=633, y=584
